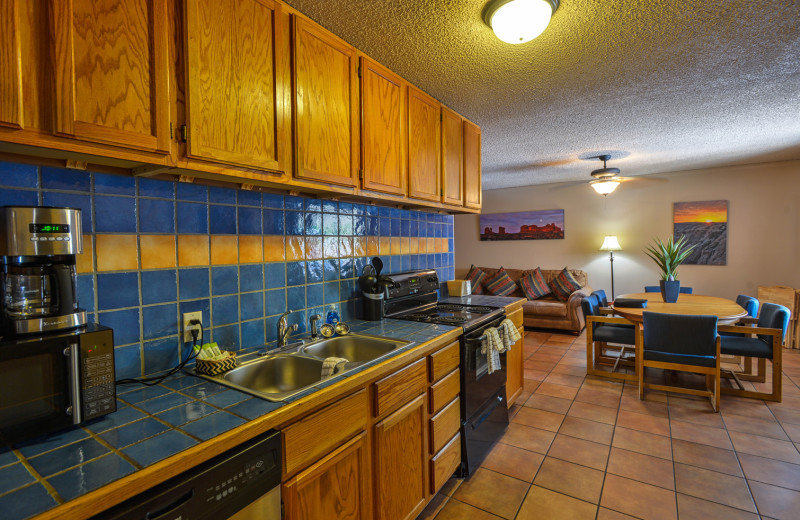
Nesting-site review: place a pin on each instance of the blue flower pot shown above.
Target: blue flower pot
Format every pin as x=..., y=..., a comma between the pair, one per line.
x=670, y=289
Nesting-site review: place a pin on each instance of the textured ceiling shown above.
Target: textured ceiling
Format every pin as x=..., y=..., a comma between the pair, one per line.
x=662, y=85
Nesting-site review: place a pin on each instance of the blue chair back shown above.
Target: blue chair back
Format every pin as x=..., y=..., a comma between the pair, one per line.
x=686, y=290
x=652, y=288
x=687, y=336
x=601, y=297
x=749, y=304
x=591, y=307
x=773, y=316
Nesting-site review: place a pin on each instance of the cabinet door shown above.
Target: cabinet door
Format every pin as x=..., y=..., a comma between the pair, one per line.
x=10, y=65
x=325, y=106
x=400, y=464
x=235, y=78
x=452, y=158
x=424, y=134
x=111, y=72
x=515, y=370
x=472, y=165
x=383, y=136
x=335, y=487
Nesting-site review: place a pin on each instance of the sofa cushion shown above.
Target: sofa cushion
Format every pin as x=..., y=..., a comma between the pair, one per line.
x=545, y=307
x=533, y=285
x=476, y=278
x=564, y=284
x=500, y=284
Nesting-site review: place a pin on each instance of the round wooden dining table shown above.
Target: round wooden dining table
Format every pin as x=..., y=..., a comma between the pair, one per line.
x=727, y=311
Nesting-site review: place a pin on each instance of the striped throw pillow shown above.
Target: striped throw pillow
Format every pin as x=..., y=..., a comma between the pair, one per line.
x=564, y=284
x=500, y=284
x=476, y=278
x=533, y=284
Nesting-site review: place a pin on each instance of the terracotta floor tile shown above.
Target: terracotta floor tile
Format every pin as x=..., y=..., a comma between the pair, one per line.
x=564, y=392
x=643, y=422
x=708, y=457
x=765, y=447
x=539, y=419
x=642, y=442
x=564, y=379
x=588, y=430
x=593, y=412
x=455, y=510
x=598, y=396
x=775, y=502
x=543, y=504
x=579, y=451
x=536, y=375
x=571, y=370
x=527, y=438
x=632, y=390
x=638, y=499
x=538, y=365
x=603, y=384
x=481, y=491
x=433, y=508
x=570, y=479
x=634, y=404
x=548, y=403
x=705, y=416
x=608, y=514
x=702, y=434
x=786, y=415
x=716, y=487
x=641, y=467
x=692, y=508
x=793, y=431
x=771, y=471
x=754, y=426
x=514, y=462
x=754, y=408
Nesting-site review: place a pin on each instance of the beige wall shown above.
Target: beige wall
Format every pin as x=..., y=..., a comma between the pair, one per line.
x=763, y=229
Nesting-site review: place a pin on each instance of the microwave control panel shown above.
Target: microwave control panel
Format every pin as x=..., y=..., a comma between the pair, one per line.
x=97, y=373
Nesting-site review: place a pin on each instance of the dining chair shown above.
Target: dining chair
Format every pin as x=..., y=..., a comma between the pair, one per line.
x=601, y=297
x=684, y=343
x=761, y=342
x=656, y=288
x=602, y=329
x=685, y=290
x=749, y=304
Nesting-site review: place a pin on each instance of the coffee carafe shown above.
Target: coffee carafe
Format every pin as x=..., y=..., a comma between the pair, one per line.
x=39, y=284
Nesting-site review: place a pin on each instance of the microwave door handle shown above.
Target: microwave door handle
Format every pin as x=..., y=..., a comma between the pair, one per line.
x=74, y=407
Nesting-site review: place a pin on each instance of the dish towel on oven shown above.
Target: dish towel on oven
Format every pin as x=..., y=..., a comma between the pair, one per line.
x=508, y=333
x=492, y=346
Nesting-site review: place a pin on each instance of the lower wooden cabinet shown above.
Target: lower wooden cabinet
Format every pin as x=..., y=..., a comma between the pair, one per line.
x=335, y=487
x=515, y=359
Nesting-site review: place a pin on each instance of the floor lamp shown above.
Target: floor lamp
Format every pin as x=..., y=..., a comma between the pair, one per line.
x=611, y=244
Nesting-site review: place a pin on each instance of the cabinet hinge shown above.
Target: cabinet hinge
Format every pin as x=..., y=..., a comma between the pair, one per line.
x=171, y=130
x=361, y=174
x=184, y=134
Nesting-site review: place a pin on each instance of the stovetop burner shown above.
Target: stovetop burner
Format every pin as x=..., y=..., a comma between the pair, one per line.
x=451, y=314
x=457, y=307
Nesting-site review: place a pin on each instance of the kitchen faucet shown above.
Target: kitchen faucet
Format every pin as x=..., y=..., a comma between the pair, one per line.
x=284, y=329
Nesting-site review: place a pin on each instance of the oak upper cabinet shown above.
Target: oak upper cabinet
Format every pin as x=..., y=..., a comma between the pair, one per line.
x=452, y=158
x=11, y=96
x=235, y=81
x=472, y=165
x=424, y=148
x=383, y=136
x=111, y=72
x=325, y=98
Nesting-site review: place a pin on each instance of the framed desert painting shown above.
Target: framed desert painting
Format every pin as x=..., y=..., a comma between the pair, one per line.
x=523, y=225
x=705, y=225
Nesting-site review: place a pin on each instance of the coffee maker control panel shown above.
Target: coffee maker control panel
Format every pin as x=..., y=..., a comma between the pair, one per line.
x=35, y=231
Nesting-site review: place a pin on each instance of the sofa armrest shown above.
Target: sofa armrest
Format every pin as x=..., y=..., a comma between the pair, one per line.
x=574, y=311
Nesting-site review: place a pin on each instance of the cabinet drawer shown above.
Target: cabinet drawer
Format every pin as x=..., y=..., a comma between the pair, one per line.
x=400, y=387
x=307, y=440
x=516, y=317
x=444, y=360
x=445, y=463
x=445, y=424
x=442, y=392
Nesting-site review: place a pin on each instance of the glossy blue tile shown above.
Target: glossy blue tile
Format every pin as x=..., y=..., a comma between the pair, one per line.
x=7, y=457
x=212, y=425
x=222, y=195
x=114, y=184
x=295, y=273
x=192, y=192
x=201, y=305
x=156, y=188
x=396, y=227
x=227, y=337
x=292, y=202
x=251, y=305
x=70, y=200
x=295, y=223
x=413, y=228
x=394, y=212
x=315, y=295
x=331, y=292
x=88, y=477
x=274, y=275
x=160, y=447
x=26, y=502
x=315, y=269
x=373, y=226
x=331, y=270
x=253, y=408
x=65, y=179
x=414, y=262
x=274, y=302
x=384, y=211
x=222, y=220
x=45, y=443
x=346, y=208
x=372, y=210
x=359, y=225
x=296, y=297
x=251, y=277
x=346, y=267
x=271, y=329
x=115, y=214
x=224, y=280
x=227, y=398
x=19, y=175
x=330, y=224
x=298, y=317
x=192, y=217
x=405, y=228
x=125, y=324
x=117, y=290
x=164, y=402
x=270, y=200
x=204, y=389
x=405, y=264
x=193, y=283
x=159, y=286
x=330, y=206
x=386, y=227
x=225, y=310
x=10, y=197
x=312, y=205
x=123, y=416
x=181, y=381
x=358, y=265
x=249, y=198
x=133, y=394
x=127, y=361
x=186, y=413
x=253, y=333
x=347, y=290
x=313, y=225
x=133, y=432
x=14, y=476
x=345, y=225
x=273, y=221
x=249, y=221
x=86, y=292
x=67, y=456
x=159, y=321
x=156, y=216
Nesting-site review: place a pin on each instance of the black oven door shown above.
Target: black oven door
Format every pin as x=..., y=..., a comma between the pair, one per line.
x=479, y=385
x=37, y=387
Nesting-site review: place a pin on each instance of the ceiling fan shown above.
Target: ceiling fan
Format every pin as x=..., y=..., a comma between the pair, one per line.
x=605, y=178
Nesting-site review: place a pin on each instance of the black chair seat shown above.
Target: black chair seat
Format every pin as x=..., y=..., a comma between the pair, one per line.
x=615, y=334
x=748, y=347
x=632, y=303
x=683, y=359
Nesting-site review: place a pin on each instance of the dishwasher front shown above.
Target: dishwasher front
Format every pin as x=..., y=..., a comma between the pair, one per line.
x=244, y=483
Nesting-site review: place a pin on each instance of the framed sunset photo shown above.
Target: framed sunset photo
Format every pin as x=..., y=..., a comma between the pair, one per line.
x=705, y=225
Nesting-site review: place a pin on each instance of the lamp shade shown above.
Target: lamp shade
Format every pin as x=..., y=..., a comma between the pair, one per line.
x=605, y=186
x=610, y=243
x=519, y=21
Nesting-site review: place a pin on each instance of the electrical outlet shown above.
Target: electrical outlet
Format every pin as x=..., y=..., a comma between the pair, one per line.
x=188, y=327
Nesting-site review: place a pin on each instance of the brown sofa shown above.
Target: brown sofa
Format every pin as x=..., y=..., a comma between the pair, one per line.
x=549, y=312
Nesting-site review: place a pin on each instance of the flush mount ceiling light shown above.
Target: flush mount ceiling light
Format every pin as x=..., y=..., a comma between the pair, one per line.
x=605, y=178
x=519, y=21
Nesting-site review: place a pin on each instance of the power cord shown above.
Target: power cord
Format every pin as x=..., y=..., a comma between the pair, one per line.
x=151, y=381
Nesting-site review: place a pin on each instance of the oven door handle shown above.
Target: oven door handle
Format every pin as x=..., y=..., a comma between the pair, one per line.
x=480, y=339
x=487, y=413
x=476, y=340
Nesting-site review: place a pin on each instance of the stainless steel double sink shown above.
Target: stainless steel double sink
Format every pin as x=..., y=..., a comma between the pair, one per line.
x=278, y=376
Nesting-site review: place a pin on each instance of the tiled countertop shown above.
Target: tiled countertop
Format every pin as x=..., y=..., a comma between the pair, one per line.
x=150, y=424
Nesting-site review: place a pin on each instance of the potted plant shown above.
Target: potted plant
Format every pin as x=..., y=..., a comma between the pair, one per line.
x=668, y=256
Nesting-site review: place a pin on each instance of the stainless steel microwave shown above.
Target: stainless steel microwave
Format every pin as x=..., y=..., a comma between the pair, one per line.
x=53, y=381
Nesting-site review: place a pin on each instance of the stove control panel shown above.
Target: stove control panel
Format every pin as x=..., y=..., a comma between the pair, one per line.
x=413, y=282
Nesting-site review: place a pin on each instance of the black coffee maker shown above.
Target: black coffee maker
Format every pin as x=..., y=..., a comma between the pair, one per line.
x=39, y=285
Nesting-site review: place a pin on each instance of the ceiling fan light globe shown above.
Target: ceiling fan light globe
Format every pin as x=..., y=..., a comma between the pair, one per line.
x=605, y=186
x=520, y=21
